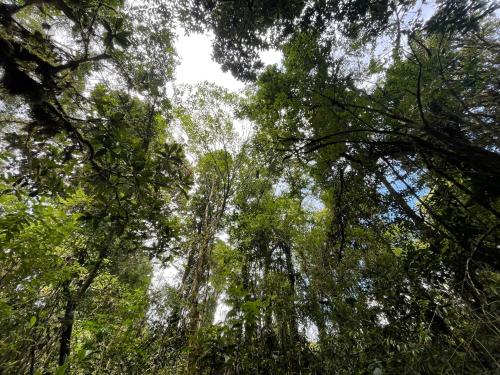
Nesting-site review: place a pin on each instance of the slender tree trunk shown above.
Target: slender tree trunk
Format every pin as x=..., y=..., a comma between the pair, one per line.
x=194, y=316
x=32, y=359
x=290, y=270
x=268, y=333
x=293, y=351
x=66, y=329
x=72, y=299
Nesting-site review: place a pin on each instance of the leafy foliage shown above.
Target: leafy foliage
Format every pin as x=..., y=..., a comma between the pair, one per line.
x=340, y=216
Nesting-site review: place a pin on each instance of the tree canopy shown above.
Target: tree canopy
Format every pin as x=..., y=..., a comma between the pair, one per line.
x=340, y=215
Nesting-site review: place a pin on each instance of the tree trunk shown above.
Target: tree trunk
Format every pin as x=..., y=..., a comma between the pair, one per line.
x=66, y=330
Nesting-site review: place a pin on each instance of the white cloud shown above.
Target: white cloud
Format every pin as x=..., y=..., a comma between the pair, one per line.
x=271, y=57
x=195, y=53
x=197, y=65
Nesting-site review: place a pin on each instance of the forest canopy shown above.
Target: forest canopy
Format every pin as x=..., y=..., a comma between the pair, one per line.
x=338, y=215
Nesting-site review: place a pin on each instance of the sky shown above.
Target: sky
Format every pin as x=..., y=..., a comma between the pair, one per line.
x=196, y=65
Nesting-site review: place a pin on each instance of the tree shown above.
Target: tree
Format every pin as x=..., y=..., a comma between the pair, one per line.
x=243, y=28
x=105, y=149
x=339, y=216
x=205, y=117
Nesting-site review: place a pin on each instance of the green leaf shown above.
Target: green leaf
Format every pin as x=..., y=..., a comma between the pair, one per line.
x=61, y=370
x=398, y=251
